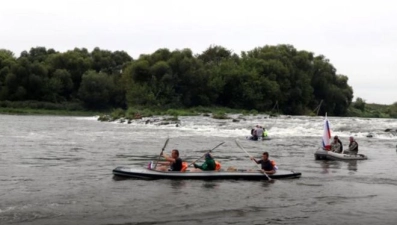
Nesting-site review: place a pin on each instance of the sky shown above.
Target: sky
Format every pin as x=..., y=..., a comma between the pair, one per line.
x=358, y=37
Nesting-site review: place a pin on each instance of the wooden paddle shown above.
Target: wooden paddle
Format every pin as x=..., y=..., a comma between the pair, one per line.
x=206, y=153
x=162, y=150
x=254, y=161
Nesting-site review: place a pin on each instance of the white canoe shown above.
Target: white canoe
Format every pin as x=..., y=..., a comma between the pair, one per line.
x=321, y=154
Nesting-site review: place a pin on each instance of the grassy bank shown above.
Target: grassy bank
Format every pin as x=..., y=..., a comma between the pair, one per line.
x=356, y=109
x=25, y=111
x=45, y=108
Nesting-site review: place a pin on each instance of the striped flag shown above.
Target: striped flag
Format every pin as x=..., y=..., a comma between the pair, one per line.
x=326, y=135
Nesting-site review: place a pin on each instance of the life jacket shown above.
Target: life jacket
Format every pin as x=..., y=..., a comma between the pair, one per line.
x=217, y=165
x=184, y=166
x=274, y=164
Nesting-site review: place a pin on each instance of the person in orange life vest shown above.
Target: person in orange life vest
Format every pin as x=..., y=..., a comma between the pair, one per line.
x=174, y=163
x=266, y=165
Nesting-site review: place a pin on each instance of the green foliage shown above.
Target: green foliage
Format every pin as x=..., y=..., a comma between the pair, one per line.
x=253, y=112
x=359, y=104
x=65, y=106
x=118, y=113
x=173, y=118
x=96, y=89
x=220, y=116
x=298, y=80
x=138, y=113
x=105, y=118
x=373, y=110
x=173, y=112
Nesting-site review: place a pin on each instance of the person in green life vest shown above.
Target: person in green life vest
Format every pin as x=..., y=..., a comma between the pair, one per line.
x=264, y=134
x=208, y=165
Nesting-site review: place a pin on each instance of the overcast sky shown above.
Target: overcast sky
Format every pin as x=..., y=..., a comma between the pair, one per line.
x=358, y=37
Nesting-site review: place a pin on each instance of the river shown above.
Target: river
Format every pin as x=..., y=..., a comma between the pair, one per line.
x=58, y=170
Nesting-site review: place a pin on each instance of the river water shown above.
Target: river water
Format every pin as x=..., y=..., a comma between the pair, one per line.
x=58, y=170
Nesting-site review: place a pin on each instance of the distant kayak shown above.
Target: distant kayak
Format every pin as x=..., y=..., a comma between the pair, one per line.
x=145, y=173
x=324, y=153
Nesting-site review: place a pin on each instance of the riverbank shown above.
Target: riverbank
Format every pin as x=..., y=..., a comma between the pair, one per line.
x=27, y=111
x=46, y=108
x=367, y=111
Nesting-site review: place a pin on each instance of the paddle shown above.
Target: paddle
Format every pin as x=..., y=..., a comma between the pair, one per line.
x=254, y=161
x=206, y=153
x=162, y=150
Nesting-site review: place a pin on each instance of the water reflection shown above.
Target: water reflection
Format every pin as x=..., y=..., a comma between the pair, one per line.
x=119, y=178
x=267, y=183
x=178, y=184
x=329, y=164
x=352, y=165
x=210, y=184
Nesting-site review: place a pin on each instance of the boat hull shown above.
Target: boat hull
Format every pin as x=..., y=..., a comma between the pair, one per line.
x=328, y=155
x=259, y=139
x=144, y=173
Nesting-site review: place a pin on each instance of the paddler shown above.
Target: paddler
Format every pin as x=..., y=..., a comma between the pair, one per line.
x=174, y=163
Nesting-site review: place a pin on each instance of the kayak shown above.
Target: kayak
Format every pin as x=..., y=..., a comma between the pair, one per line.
x=145, y=173
x=321, y=154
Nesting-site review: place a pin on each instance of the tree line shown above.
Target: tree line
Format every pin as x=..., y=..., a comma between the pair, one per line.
x=296, y=80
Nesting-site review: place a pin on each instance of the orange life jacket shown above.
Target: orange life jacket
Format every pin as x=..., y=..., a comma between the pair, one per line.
x=217, y=165
x=184, y=166
x=274, y=164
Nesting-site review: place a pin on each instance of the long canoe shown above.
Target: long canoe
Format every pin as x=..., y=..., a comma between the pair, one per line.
x=145, y=173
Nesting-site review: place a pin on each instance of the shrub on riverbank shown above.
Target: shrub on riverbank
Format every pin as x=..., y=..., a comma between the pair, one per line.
x=44, y=108
x=373, y=111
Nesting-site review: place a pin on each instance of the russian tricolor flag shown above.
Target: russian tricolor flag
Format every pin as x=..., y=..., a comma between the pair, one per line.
x=326, y=135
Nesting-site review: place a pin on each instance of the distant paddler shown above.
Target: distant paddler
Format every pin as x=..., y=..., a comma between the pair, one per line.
x=265, y=133
x=256, y=132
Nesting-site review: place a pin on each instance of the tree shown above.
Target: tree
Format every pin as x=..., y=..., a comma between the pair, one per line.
x=60, y=86
x=96, y=89
x=215, y=54
x=360, y=104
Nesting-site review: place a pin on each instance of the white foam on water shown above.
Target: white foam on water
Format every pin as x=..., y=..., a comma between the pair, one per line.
x=283, y=126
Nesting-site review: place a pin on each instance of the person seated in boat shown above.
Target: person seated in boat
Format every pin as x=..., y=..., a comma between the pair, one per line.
x=254, y=133
x=208, y=165
x=264, y=134
x=353, y=146
x=336, y=145
x=174, y=163
x=259, y=132
x=266, y=165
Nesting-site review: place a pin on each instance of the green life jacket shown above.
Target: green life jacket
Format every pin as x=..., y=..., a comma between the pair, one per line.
x=264, y=133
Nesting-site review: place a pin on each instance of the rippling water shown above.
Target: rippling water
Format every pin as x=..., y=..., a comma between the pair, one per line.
x=58, y=170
